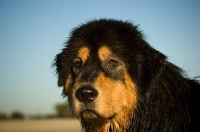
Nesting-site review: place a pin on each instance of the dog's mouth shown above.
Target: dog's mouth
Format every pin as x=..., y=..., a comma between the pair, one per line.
x=89, y=114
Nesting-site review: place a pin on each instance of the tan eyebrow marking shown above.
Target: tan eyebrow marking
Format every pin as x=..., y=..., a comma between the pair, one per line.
x=104, y=52
x=83, y=53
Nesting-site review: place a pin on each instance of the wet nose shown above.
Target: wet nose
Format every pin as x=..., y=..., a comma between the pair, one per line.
x=86, y=94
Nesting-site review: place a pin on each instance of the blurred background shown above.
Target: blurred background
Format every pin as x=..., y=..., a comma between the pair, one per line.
x=32, y=32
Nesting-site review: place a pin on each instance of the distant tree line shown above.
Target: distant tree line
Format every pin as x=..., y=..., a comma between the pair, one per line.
x=62, y=111
x=14, y=115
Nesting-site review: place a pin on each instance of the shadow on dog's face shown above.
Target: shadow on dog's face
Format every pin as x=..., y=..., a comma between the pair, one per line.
x=102, y=69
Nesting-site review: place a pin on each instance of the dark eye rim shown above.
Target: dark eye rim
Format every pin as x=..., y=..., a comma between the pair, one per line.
x=77, y=62
x=113, y=63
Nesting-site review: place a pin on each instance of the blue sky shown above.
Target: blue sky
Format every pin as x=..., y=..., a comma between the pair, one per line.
x=33, y=32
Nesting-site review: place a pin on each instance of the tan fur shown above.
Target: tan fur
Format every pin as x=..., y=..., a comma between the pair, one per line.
x=67, y=83
x=83, y=53
x=104, y=52
x=116, y=100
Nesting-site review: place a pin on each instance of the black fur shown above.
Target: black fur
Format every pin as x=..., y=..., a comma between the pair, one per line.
x=168, y=101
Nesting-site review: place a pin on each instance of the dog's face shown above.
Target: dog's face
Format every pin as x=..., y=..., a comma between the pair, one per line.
x=102, y=71
x=99, y=85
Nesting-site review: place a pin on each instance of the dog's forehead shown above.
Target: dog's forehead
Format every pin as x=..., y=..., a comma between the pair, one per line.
x=84, y=53
x=104, y=52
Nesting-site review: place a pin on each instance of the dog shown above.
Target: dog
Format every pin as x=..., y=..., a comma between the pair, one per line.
x=116, y=82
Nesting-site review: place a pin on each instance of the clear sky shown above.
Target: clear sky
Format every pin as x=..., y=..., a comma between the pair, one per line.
x=32, y=32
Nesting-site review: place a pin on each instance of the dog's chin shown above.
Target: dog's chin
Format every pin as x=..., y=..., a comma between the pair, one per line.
x=90, y=115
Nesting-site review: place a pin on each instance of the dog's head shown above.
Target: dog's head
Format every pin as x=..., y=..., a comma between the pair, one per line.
x=104, y=68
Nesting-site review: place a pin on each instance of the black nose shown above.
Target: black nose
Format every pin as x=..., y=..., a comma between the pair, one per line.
x=86, y=94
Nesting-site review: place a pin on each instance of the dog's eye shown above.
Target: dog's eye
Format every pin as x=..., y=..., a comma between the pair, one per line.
x=112, y=63
x=77, y=62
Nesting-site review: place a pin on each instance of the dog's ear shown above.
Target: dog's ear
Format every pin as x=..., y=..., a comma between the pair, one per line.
x=61, y=68
x=150, y=63
x=153, y=61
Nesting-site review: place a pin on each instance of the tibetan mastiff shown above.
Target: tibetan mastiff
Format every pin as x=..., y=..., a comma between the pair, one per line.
x=116, y=82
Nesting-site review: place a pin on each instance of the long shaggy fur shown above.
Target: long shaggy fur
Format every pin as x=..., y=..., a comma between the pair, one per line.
x=162, y=98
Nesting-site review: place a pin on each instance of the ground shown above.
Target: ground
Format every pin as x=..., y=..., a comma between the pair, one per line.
x=53, y=125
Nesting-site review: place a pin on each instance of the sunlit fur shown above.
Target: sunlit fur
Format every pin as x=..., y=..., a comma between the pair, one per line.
x=83, y=53
x=138, y=89
x=113, y=104
x=104, y=52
